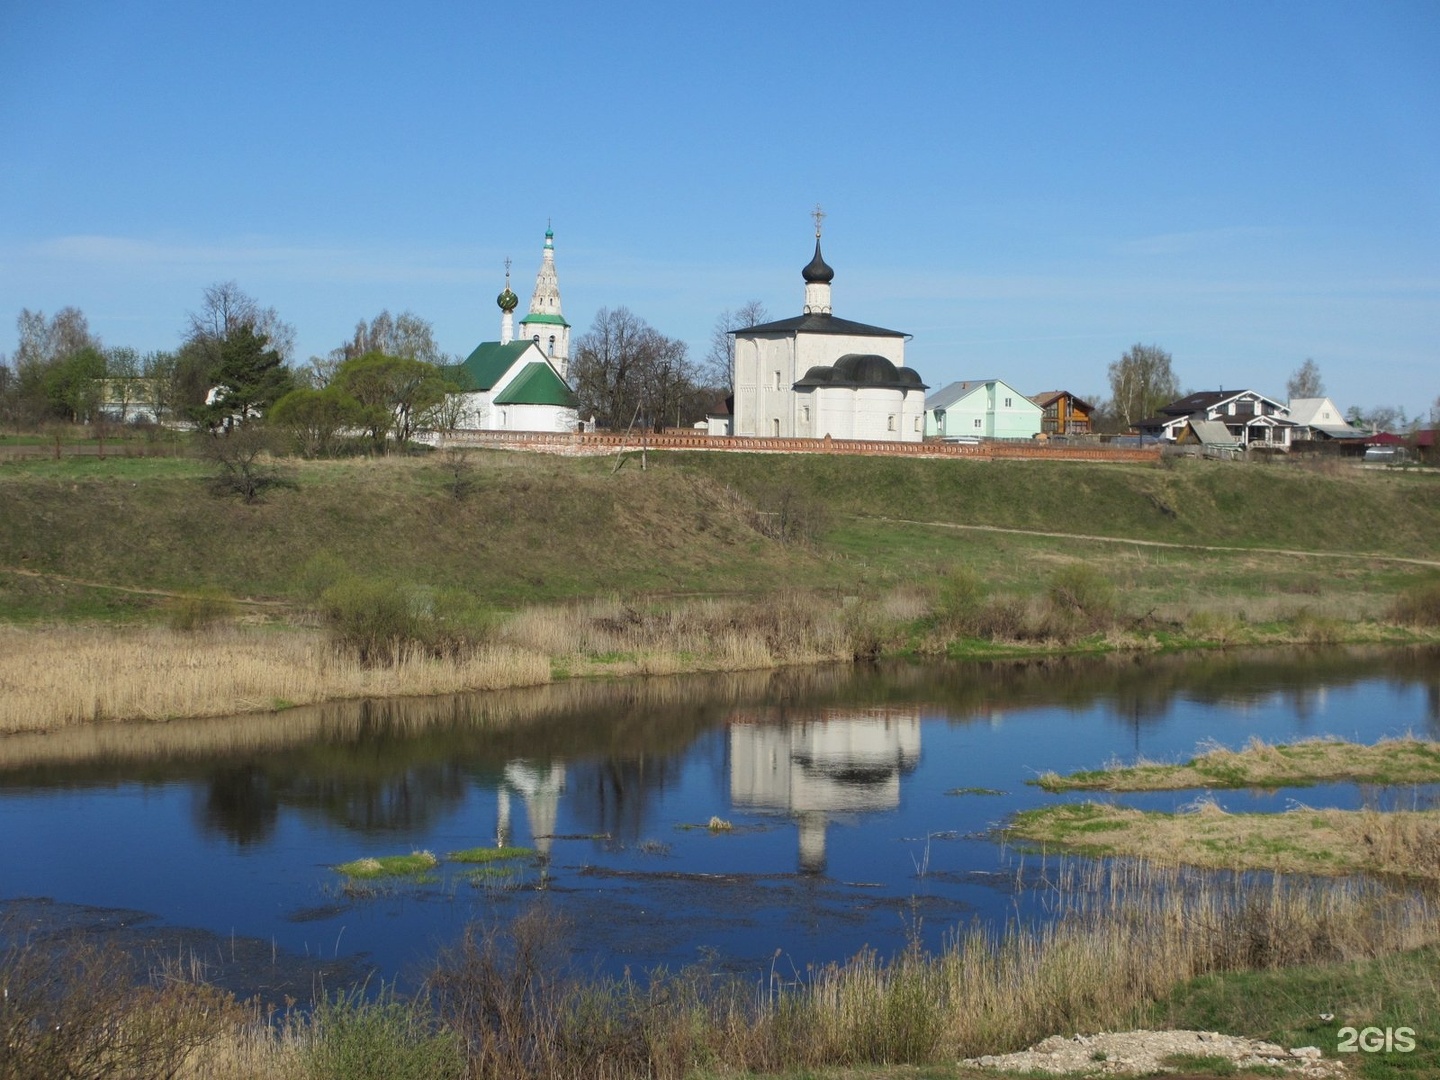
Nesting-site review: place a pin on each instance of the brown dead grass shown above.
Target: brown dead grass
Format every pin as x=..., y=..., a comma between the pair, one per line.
x=1303, y=840
x=57, y=677
x=1263, y=765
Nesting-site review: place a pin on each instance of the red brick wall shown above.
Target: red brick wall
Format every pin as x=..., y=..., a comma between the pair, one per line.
x=598, y=443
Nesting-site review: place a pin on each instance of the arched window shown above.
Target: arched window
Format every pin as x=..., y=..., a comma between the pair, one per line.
x=552, y=344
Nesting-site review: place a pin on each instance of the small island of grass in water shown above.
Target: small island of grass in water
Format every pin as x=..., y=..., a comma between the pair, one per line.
x=1260, y=765
x=370, y=868
x=1328, y=842
x=490, y=854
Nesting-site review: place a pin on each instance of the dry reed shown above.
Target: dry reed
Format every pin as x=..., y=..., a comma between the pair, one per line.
x=1302, y=840
x=54, y=678
x=1260, y=764
x=1113, y=939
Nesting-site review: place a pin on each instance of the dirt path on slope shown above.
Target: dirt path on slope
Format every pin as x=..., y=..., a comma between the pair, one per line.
x=1371, y=556
x=135, y=590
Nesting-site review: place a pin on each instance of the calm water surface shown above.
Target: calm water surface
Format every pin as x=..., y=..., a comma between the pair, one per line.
x=840, y=784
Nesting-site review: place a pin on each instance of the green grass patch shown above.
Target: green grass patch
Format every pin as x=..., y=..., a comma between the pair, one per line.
x=490, y=854
x=386, y=866
x=1210, y=1064
x=1307, y=1006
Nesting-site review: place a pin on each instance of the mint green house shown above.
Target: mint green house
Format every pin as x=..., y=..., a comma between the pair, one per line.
x=981, y=409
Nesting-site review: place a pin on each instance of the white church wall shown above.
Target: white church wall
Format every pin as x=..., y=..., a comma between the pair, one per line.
x=912, y=416
x=877, y=413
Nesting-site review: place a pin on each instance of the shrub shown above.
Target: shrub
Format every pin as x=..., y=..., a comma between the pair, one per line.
x=374, y=619
x=384, y=1039
x=382, y=621
x=319, y=573
x=1419, y=607
x=73, y=1009
x=1082, y=597
x=962, y=596
x=785, y=514
x=202, y=608
x=241, y=457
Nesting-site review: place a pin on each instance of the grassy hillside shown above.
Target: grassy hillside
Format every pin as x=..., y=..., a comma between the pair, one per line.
x=536, y=529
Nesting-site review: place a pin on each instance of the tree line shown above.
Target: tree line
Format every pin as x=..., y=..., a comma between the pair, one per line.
x=234, y=365
x=388, y=380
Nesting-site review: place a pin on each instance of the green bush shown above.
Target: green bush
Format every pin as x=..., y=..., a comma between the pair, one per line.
x=319, y=573
x=1420, y=606
x=962, y=598
x=375, y=619
x=1082, y=597
x=385, y=1039
x=380, y=621
x=197, y=610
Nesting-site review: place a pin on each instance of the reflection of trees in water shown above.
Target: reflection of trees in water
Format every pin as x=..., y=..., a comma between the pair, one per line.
x=239, y=803
x=388, y=766
x=242, y=801
x=615, y=795
x=1141, y=689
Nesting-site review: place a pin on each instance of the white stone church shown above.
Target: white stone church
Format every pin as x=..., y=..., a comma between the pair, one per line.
x=518, y=384
x=819, y=375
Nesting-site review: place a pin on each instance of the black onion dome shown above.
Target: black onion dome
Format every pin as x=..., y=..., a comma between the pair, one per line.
x=818, y=272
x=507, y=300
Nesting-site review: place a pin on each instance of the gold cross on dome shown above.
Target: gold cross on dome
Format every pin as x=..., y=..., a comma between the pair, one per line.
x=507, y=268
x=819, y=216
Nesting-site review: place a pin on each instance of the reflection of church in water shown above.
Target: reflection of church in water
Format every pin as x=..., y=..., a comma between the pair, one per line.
x=841, y=762
x=539, y=787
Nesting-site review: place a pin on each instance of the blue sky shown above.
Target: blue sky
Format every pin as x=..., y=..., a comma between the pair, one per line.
x=1027, y=188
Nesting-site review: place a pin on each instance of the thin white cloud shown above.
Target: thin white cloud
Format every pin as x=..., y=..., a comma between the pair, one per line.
x=1199, y=240
x=224, y=259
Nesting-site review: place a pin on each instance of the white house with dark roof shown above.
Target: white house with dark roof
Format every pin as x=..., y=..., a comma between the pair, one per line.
x=1251, y=418
x=981, y=409
x=519, y=385
x=818, y=375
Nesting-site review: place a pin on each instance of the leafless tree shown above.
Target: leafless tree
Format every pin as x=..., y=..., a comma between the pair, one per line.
x=718, y=367
x=626, y=371
x=1305, y=381
x=607, y=363
x=43, y=342
x=1140, y=382
x=225, y=309
x=667, y=382
x=122, y=381
x=405, y=335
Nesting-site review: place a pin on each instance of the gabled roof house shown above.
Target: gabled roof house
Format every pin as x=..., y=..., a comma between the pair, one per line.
x=1320, y=419
x=981, y=409
x=1062, y=413
x=1251, y=418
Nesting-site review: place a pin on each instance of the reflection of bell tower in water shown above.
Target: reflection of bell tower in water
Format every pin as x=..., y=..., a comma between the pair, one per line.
x=540, y=787
x=842, y=762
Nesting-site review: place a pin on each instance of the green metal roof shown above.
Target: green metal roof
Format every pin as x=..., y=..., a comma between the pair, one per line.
x=536, y=385
x=541, y=317
x=484, y=367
